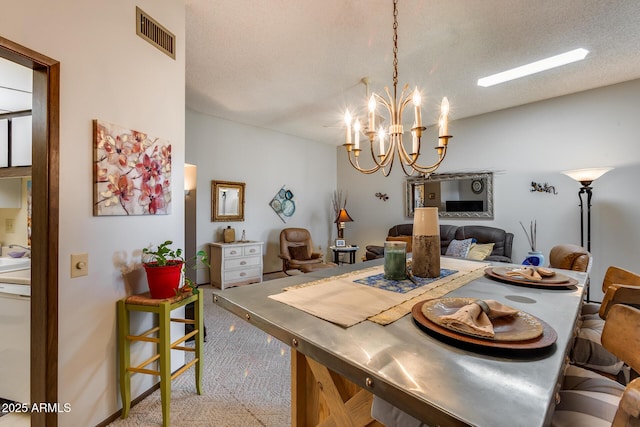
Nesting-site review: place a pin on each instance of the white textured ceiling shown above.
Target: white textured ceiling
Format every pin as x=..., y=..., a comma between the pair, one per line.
x=294, y=65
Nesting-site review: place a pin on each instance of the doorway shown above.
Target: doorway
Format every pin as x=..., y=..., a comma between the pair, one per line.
x=45, y=219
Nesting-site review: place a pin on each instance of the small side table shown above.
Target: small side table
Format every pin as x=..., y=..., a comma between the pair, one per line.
x=162, y=339
x=337, y=250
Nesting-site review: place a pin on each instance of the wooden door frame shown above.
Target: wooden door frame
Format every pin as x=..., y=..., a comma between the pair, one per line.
x=44, y=225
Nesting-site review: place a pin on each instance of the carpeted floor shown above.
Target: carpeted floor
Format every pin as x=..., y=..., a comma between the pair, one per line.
x=246, y=380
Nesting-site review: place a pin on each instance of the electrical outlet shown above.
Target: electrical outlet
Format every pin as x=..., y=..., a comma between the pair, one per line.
x=10, y=225
x=79, y=265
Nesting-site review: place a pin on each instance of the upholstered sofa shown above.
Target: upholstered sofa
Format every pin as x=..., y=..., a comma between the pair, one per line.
x=501, y=239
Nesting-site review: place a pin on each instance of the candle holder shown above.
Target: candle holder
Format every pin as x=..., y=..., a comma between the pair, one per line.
x=426, y=243
x=395, y=260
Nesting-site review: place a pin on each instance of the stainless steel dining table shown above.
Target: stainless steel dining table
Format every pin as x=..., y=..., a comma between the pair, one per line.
x=434, y=380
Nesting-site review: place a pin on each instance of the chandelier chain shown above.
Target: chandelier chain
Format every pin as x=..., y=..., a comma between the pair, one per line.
x=395, y=48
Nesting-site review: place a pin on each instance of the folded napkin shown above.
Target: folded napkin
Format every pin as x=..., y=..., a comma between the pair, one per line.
x=474, y=319
x=529, y=273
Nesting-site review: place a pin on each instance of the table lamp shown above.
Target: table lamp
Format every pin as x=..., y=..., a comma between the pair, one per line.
x=343, y=216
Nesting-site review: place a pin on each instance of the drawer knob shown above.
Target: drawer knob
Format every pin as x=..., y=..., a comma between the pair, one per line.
x=233, y=252
x=243, y=262
x=252, y=250
x=243, y=274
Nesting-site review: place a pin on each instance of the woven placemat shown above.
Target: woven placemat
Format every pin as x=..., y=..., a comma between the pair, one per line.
x=400, y=310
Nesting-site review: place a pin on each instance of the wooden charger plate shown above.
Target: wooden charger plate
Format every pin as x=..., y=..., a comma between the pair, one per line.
x=502, y=327
x=556, y=281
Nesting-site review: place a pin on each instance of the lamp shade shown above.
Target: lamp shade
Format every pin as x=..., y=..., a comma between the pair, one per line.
x=189, y=177
x=586, y=175
x=343, y=216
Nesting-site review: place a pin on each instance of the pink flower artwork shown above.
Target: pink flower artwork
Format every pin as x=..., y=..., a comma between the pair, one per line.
x=132, y=172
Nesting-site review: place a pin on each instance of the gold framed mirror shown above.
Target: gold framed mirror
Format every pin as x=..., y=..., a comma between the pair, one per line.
x=227, y=201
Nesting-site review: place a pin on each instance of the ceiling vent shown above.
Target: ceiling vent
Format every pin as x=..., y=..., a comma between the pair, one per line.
x=150, y=30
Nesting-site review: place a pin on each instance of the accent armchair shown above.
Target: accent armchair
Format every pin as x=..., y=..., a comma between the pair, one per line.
x=296, y=250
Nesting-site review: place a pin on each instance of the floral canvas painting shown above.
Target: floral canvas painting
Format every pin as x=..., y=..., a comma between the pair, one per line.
x=132, y=172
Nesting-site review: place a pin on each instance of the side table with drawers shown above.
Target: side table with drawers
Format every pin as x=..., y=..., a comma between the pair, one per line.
x=235, y=263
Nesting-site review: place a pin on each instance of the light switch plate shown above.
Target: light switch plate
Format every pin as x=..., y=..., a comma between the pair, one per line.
x=79, y=265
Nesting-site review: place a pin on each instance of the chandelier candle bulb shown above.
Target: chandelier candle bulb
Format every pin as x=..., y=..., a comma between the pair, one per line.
x=347, y=119
x=426, y=243
x=416, y=102
x=356, y=129
x=444, y=117
x=372, y=114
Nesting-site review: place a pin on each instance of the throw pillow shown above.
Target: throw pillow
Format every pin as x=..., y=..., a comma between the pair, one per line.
x=407, y=239
x=459, y=248
x=300, y=253
x=480, y=251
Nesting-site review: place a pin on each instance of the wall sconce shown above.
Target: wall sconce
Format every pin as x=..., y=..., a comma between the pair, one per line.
x=190, y=178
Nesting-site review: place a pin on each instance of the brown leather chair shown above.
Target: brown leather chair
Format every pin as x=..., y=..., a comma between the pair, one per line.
x=296, y=250
x=570, y=257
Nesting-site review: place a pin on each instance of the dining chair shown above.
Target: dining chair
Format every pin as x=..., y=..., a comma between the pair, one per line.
x=620, y=286
x=589, y=399
x=572, y=257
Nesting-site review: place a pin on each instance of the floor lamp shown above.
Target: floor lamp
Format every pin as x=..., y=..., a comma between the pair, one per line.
x=586, y=177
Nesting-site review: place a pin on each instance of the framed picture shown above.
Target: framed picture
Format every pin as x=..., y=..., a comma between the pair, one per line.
x=340, y=243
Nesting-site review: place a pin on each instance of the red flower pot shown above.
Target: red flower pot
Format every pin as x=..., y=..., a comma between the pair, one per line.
x=163, y=280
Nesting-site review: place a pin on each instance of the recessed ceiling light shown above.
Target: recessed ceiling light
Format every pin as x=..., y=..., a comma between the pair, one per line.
x=534, y=67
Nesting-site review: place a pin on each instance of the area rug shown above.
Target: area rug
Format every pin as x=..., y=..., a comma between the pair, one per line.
x=246, y=380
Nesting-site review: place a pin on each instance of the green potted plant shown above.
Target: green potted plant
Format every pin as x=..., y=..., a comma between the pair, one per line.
x=164, y=267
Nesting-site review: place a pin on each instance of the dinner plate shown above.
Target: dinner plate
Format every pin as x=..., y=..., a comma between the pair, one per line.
x=546, y=339
x=556, y=281
x=521, y=327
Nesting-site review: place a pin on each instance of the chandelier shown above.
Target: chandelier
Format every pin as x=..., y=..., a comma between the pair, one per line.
x=390, y=143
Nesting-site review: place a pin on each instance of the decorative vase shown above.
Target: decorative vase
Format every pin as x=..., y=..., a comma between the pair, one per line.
x=229, y=234
x=426, y=243
x=163, y=280
x=395, y=260
x=534, y=258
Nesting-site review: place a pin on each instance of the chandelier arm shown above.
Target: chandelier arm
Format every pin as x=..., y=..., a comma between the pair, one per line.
x=404, y=90
x=356, y=165
x=433, y=167
x=392, y=100
x=404, y=156
x=385, y=161
x=386, y=173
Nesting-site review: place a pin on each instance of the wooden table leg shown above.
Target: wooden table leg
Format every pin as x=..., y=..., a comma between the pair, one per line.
x=321, y=397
